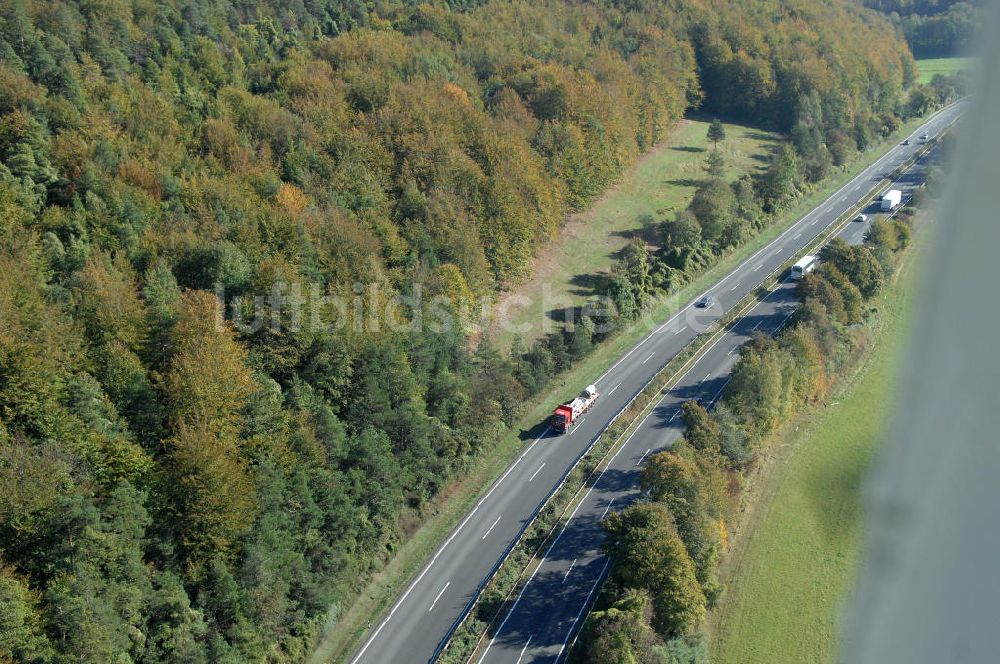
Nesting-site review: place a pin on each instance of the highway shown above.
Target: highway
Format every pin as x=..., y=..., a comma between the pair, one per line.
x=547, y=614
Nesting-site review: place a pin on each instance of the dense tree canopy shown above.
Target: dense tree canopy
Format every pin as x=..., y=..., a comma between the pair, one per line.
x=187, y=482
x=650, y=555
x=648, y=610
x=934, y=28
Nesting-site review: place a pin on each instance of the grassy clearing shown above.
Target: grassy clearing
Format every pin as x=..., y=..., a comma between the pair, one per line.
x=661, y=182
x=348, y=628
x=800, y=546
x=946, y=66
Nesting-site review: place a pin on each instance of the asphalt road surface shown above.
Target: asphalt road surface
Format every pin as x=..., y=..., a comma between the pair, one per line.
x=546, y=616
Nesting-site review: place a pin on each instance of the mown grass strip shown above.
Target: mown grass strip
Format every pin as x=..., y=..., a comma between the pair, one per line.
x=930, y=67
x=795, y=556
x=346, y=629
x=469, y=636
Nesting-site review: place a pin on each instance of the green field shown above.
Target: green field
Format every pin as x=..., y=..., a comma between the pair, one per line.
x=792, y=567
x=447, y=509
x=932, y=66
x=662, y=182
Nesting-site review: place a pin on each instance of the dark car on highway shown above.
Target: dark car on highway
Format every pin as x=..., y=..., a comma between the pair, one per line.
x=705, y=302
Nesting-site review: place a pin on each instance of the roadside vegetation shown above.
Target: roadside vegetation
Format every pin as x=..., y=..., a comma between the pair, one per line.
x=798, y=551
x=184, y=482
x=666, y=550
x=588, y=244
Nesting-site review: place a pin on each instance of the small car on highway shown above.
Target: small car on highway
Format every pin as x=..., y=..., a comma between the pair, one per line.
x=861, y=217
x=705, y=302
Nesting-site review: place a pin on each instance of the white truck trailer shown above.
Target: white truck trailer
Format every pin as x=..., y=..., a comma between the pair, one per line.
x=891, y=199
x=567, y=414
x=804, y=266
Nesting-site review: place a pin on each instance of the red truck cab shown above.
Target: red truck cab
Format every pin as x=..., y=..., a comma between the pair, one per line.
x=566, y=415
x=562, y=418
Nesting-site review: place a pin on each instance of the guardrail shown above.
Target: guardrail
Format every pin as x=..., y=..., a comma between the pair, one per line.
x=757, y=295
x=691, y=353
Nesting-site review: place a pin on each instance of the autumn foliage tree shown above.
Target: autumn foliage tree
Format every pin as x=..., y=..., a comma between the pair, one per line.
x=207, y=386
x=649, y=554
x=177, y=484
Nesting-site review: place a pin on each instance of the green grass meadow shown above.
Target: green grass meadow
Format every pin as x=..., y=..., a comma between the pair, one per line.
x=350, y=625
x=661, y=183
x=792, y=567
x=932, y=66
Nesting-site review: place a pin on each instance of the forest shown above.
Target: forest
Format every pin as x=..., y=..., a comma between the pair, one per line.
x=666, y=549
x=179, y=485
x=934, y=28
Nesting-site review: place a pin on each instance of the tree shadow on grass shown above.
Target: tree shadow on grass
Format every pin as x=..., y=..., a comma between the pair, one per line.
x=687, y=148
x=835, y=488
x=761, y=136
x=647, y=232
x=685, y=182
x=587, y=284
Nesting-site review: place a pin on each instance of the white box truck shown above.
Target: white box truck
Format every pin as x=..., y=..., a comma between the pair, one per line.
x=804, y=266
x=891, y=199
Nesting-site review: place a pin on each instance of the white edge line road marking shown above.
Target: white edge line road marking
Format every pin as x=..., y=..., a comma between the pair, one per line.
x=703, y=353
x=526, y=643
x=520, y=595
x=584, y=606
x=733, y=349
x=491, y=528
x=438, y=596
x=639, y=462
x=614, y=388
x=649, y=358
x=856, y=180
x=580, y=423
x=608, y=561
x=674, y=416
x=719, y=392
x=536, y=472
x=541, y=562
x=510, y=612
x=607, y=509
x=707, y=377
x=448, y=541
x=571, y=566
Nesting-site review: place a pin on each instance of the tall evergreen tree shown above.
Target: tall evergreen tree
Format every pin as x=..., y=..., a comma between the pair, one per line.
x=716, y=133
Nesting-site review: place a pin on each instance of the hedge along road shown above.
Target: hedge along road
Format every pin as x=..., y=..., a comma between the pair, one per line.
x=547, y=614
x=422, y=619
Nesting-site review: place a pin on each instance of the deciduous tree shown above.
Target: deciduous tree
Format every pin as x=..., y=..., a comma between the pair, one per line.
x=647, y=553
